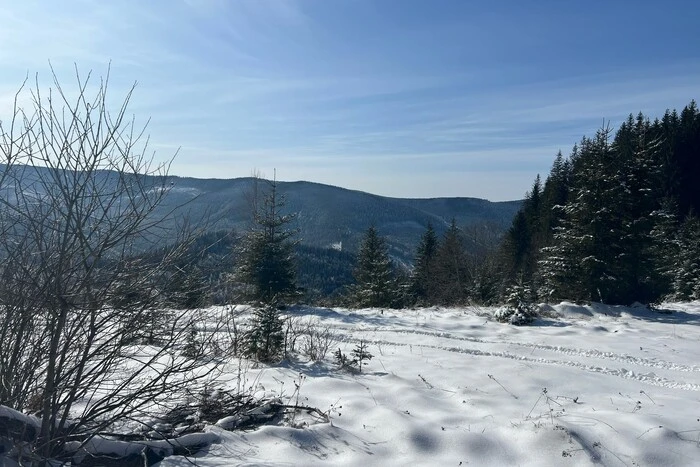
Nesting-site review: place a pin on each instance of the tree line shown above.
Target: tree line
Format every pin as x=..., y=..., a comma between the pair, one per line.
x=448, y=270
x=615, y=222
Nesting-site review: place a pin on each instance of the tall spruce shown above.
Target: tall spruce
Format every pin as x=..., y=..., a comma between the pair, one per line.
x=638, y=175
x=555, y=195
x=517, y=246
x=423, y=284
x=608, y=215
x=575, y=266
x=686, y=156
x=686, y=274
x=267, y=258
x=451, y=272
x=374, y=281
x=525, y=237
x=665, y=248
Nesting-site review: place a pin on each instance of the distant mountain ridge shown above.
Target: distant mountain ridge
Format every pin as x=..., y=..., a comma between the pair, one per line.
x=326, y=216
x=333, y=217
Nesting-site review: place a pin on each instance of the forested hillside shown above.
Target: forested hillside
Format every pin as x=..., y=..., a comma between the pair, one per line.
x=333, y=217
x=615, y=221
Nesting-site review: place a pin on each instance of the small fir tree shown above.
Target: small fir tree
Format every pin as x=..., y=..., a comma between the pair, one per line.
x=360, y=355
x=192, y=345
x=519, y=309
x=357, y=359
x=264, y=340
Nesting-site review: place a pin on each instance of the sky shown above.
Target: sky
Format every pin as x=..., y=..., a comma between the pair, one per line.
x=405, y=98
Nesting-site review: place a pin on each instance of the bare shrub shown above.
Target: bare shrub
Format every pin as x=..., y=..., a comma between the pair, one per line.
x=294, y=330
x=80, y=201
x=318, y=340
x=308, y=337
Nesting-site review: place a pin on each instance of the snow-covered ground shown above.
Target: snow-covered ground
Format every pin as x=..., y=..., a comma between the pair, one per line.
x=447, y=387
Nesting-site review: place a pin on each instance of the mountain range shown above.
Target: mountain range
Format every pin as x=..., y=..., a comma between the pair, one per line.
x=329, y=221
x=332, y=217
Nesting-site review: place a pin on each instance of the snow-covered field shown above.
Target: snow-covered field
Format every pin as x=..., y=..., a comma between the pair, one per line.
x=447, y=387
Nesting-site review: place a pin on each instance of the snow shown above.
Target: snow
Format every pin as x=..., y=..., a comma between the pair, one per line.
x=122, y=448
x=587, y=385
x=11, y=415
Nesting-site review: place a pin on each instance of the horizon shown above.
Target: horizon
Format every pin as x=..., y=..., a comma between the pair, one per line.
x=405, y=99
x=345, y=188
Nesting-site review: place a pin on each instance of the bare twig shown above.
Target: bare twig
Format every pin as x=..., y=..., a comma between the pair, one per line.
x=506, y=390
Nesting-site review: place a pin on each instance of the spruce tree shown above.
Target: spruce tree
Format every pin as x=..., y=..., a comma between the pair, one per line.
x=264, y=339
x=665, y=249
x=554, y=196
x=686, y=275
x=267, y=259
x=423, y=282
x=451, y=270
x=374, y=282
x=575, y=265
x=686, y=156
x=517, y=246
x=525, y=237
x=638, y=177
x=602, y=249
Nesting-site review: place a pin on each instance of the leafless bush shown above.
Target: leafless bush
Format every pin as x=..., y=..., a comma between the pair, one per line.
x=228, y=340
x=316, y=339
x=294, y=329
x=79, y=202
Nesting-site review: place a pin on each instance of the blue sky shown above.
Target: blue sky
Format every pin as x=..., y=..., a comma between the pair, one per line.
x=408, y=98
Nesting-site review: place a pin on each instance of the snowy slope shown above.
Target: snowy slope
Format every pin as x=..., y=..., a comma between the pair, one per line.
x=588, y=386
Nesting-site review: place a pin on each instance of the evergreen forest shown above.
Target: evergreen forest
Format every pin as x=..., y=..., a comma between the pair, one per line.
x=617, y=220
